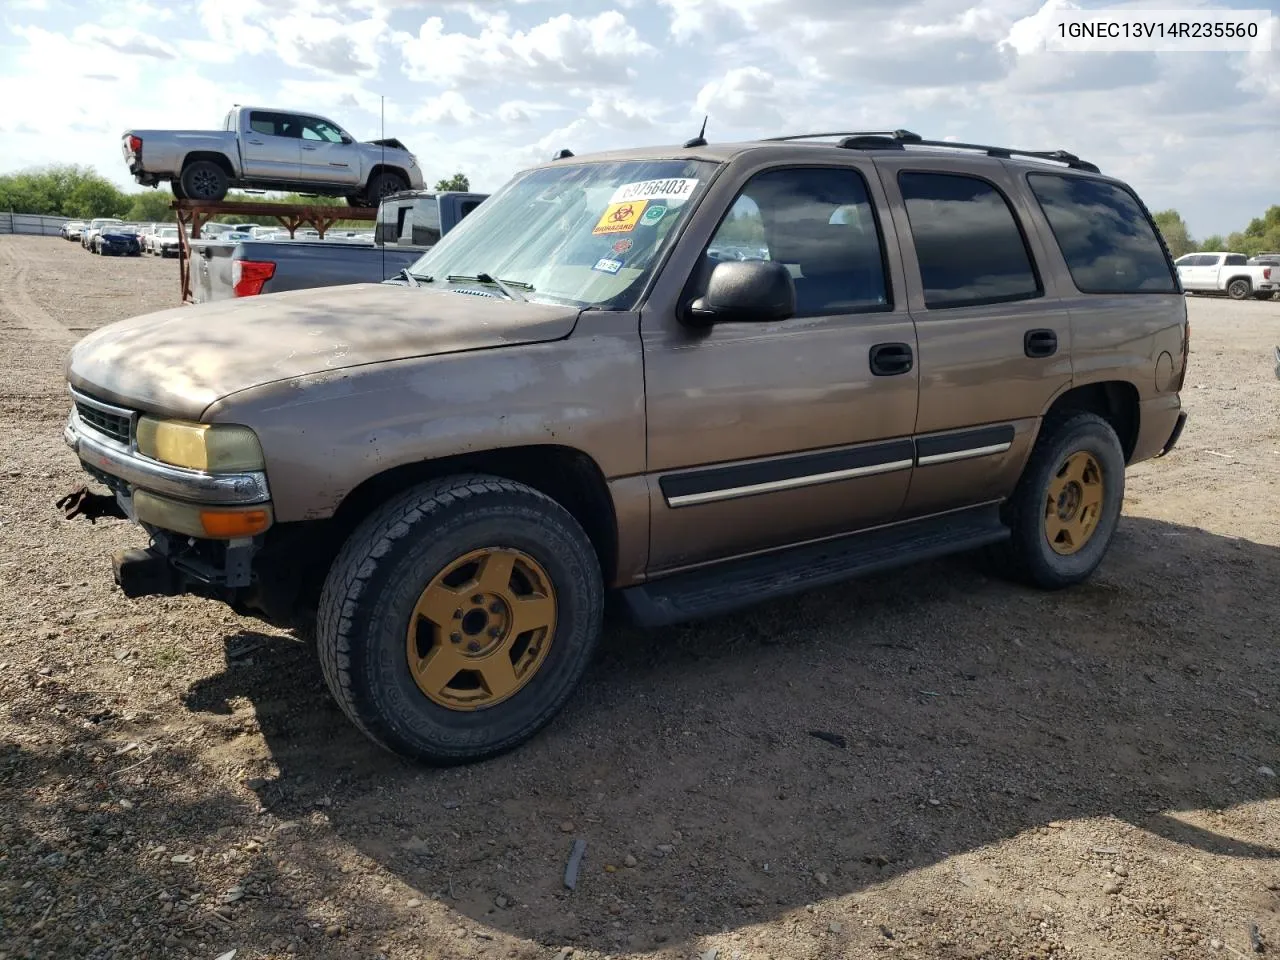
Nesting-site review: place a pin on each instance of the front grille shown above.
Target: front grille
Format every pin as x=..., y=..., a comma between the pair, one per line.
x=113, y=425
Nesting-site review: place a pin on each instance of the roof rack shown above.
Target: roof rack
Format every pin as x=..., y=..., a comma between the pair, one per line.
x=899, y=139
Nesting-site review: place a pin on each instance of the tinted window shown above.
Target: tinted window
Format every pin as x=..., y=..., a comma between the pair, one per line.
x=820, y=224
x=467, y=207
x=967, y=241
x=1109, y=244
x=1236, y=260
x=425, y=223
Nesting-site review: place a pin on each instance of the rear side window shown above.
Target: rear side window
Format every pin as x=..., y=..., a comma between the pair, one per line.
x=968, y=243
x=1109, y=243
x=1236, y=260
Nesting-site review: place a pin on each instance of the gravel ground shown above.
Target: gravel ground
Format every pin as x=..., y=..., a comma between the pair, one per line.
x=1087, y=774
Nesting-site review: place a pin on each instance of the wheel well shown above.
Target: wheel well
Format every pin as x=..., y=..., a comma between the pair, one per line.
x=568, y=476
x=217, y=158
x=1116, y=401
x=387, y=168
x=1245, y=277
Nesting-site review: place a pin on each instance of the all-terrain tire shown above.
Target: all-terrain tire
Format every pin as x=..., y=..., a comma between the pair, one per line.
x=380, y=185
x=1028, y=555
x=204, y=181
x=380, y=573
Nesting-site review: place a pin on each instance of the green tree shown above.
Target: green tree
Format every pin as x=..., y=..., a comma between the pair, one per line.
x=1215, y=243
x=150, y=206
x=459, y=182
x=95, y=197
x=1175, y=232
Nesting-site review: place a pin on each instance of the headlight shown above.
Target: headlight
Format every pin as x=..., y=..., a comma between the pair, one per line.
x=210, y=447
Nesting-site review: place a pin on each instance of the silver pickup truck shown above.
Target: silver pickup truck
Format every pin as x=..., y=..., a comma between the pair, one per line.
x=264, y=149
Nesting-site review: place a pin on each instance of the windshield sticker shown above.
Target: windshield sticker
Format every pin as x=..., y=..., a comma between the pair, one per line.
x=605, y=265
x=653, y=215
x=676, y=190
x=620, y=217
x=623, y=245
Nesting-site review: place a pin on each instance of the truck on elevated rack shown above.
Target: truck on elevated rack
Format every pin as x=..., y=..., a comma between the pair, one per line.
x=268, y=149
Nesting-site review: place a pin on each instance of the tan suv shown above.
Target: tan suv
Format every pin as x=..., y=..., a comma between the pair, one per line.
x=692, y=377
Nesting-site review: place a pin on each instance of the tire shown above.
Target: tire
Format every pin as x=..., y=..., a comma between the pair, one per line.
x=355, y=201
x=204, y=181
x=1239, y=289
x=1071, y=439
x=1265, y=295
x=382, y=184
x=395, y=559
x=176, y=187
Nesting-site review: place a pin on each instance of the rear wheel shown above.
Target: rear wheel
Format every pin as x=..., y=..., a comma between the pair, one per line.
x=355, y=201
x=381, y=185
x=1067, y=504
x=205, y=181
x=458, y=618
x=1239, y=289
x=176, y=186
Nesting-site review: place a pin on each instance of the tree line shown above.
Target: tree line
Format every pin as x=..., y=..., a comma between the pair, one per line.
x=71, y=190
x=1262, y=235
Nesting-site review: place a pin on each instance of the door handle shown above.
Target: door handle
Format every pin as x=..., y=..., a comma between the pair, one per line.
x=891, y=359
x=1040, y=343
x=256, y=143
x=308, y=148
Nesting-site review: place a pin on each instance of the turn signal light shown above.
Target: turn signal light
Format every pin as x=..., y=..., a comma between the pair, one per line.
x=248, y=276
x=135, y=145
x=240, y=523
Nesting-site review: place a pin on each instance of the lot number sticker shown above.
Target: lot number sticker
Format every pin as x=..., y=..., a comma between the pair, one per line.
x=675, y=190
x=620, y=217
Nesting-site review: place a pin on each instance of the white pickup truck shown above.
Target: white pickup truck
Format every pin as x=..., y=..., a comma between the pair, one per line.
x=266, y=149
x=1229, y=273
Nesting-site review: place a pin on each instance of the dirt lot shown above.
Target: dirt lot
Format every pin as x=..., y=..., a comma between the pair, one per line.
x=1090, y=774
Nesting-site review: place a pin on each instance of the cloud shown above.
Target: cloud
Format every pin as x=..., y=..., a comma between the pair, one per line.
x=600, y=50
x=525, y=111
x=449, y=108
x=330, y=46
x=743, y=97
x=124, y=40
x=621, y=112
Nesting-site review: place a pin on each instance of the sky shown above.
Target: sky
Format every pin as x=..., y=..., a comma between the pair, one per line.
x=491, y=86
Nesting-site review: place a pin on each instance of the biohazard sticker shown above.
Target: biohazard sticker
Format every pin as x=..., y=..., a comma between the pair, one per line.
x=674, y=190
x=620, y=217
x=605, y=265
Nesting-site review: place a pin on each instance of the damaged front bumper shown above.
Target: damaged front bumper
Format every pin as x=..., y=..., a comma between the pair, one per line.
x=145, y=491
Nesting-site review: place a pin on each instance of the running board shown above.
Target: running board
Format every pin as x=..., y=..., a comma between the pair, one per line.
x=729, y=586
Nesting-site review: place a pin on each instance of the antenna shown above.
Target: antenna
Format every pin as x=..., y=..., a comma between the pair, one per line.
x=701, y=139
x=382, y=135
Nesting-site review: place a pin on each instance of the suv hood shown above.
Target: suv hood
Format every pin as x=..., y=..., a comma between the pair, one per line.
x=177, y=362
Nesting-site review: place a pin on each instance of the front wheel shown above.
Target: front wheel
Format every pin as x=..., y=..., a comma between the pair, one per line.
x=381, y=185
x=458, y=618
x=1066, y=507
x=1239, y=289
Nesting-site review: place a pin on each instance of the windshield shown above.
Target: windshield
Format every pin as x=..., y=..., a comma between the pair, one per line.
x=168, y=231
x=586, y=234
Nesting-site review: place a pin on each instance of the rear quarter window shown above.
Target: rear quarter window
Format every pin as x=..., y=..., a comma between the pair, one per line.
x=1108, y=241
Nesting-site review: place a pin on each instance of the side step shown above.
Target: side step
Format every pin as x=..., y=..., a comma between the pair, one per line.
x=729, y=586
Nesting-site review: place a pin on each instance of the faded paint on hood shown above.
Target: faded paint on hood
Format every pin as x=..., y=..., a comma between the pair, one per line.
x=177, y=362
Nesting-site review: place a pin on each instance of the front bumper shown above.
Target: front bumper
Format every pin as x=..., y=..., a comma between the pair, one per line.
x=204, y=566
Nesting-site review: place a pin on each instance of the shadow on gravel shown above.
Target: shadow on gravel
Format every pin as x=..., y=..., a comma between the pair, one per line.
x=970, y=711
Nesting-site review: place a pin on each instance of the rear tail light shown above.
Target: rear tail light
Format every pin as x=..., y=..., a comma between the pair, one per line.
x=1266, y=273
x=248, y=276
x=135, y=144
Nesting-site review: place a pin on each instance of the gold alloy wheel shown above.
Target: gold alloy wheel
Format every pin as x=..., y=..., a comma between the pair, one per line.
x=482, y=628
x=1073, y=505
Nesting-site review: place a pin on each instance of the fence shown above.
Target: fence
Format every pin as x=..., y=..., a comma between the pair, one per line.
x=31, y=223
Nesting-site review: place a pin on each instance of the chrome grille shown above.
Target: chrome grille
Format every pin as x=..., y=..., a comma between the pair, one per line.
x=106, y=419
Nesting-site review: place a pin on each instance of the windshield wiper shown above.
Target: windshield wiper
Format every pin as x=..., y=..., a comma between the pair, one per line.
x=415, y=280
x=506, y=286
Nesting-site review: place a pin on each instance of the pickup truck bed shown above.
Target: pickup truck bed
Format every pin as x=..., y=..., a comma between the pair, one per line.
x=296, y=265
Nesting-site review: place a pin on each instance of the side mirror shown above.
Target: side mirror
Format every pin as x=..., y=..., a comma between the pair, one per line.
x=745, y=291
x=346, y=139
